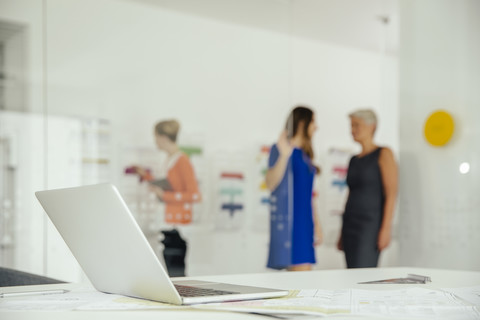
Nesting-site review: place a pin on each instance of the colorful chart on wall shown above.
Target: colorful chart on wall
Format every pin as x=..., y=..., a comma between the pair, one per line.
x=261, y=223
x=334, y=194
x=439, y=128
x=230, y=199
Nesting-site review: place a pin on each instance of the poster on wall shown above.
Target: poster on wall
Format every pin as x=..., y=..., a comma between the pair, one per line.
x=230, y=200
x=336, y=192
x=96, y=151
x=230, y=189
x=260, y=223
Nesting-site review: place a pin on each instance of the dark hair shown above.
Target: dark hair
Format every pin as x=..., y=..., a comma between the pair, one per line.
x=301, y=114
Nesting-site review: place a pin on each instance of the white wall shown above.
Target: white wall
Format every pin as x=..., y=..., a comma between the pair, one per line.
x=335, y=81
x=440, y=69
x=231, y=85
x=144, y=63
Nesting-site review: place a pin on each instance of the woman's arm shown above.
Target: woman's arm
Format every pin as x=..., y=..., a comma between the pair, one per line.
x=275, y=174
x=389, y=171
x=340, y=240
x=317, y=226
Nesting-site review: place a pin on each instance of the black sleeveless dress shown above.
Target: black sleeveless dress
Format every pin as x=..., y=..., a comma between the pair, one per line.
x=363, y=211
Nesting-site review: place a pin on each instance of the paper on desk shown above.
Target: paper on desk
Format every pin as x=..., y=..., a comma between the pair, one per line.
x=456, y=303
x=308, y=302
x=81, y=299
x=415, y=302
x=469, y=294
x=116, y=302
x=57, y=302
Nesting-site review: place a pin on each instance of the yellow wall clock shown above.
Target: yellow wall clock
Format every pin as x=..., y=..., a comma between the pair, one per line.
x=439, y=128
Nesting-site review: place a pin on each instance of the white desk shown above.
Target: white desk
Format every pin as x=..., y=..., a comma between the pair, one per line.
x=325, y=279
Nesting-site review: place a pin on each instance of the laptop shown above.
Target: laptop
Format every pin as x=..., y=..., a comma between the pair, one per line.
x=104, y=237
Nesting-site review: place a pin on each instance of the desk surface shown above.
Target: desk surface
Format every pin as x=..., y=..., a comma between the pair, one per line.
x=325, y=279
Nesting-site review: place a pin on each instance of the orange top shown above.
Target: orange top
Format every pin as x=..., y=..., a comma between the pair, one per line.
x=178, y=201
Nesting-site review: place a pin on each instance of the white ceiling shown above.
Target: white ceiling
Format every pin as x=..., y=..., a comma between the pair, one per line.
x=364, y=24
x=353, y=23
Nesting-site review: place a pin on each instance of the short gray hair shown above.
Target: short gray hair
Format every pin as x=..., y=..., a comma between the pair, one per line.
x=367, y=115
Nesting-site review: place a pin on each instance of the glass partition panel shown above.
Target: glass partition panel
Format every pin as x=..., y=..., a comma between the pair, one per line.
x=179, y=104
x=172, y=103
x=22, y=136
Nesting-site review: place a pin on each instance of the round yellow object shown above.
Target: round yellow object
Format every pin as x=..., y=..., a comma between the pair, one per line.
x=439, y=128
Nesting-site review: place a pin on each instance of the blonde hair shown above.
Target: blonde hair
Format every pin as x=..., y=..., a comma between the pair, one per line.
x=367, y=115
x=168, y=128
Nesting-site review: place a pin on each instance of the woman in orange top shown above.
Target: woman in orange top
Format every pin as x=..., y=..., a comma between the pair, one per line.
x=179, y=172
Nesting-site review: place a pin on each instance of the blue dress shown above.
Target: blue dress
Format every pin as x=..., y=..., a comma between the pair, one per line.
x=291, y=214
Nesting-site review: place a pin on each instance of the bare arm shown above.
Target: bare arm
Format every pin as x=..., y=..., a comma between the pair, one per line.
x=317, y=226
x=389, y=171
x=275, y=174
x=340, y=241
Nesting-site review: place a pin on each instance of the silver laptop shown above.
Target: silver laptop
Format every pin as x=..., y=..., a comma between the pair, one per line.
x=104, y=237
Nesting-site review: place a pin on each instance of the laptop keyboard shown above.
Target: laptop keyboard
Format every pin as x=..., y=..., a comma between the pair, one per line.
x=187, y=291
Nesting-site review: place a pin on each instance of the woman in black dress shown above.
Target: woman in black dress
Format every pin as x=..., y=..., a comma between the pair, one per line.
x=372, y=181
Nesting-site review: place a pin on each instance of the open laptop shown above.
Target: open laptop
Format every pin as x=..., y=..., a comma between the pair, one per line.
x=104, y=237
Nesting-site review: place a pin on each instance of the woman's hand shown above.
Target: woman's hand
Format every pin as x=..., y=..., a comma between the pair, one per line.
x=284, y=147
x=139, y=170
x=275, y=174
x=384, y=237
x=318, y=235
x=340, y=243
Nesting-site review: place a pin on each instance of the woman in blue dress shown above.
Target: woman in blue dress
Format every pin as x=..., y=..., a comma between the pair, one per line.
x=294, y=226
